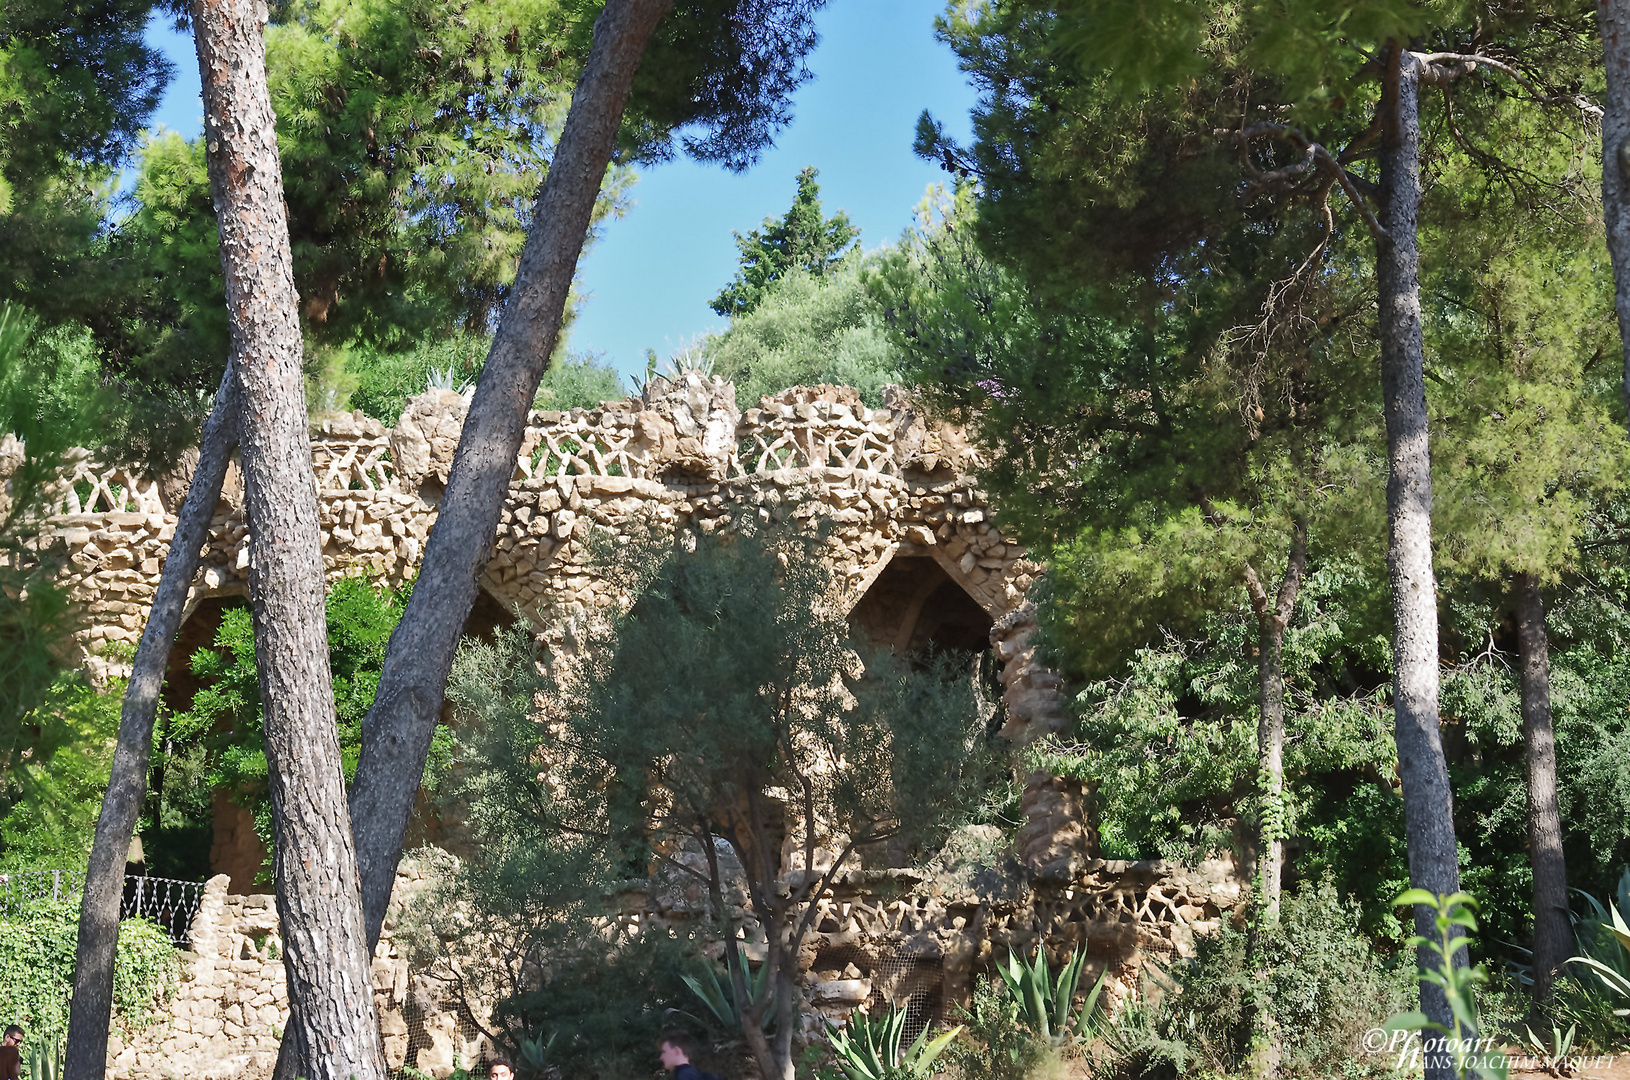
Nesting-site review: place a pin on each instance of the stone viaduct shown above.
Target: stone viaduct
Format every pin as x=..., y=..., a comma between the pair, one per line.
x=912, y=546
x=911, y=539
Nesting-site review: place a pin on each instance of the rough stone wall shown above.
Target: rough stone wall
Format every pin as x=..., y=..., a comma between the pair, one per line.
x=885, y=482
x=232, y=1005
x=880, y=936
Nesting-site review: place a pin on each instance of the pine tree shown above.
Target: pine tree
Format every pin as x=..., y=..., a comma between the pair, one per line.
x=804, y=239
x=1307, y=101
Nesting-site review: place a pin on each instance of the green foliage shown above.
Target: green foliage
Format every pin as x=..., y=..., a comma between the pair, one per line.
x=1604, y=946
x=808, y=329
x=49, y=399
x=77, y=84
x=47, y=1054
x=804, y=239
x=1314, y=970
x=1170, y=743
x=720, y=998
x=998, y=1046
x=729, y=679
x=37, y=966
x=380, y=383
x=218, y=744
x=51, y=796
x=579, y=382
x=868, y=1048
x=1045, y=1004
x=716, y=79
x=1455, y=914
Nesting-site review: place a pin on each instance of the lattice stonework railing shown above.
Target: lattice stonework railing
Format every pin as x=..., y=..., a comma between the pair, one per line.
x=362, y=465
x=93, y=488
x=575, y=447
x=784, y=443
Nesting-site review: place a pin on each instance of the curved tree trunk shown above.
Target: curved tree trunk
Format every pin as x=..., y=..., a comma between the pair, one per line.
x=397, y=731
x=326, y=952
x=1428, y=801
x=91, y=1009
x=1553, y=932
x=1613, y=17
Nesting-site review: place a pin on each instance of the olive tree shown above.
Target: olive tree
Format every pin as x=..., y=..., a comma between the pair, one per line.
x=726, y=709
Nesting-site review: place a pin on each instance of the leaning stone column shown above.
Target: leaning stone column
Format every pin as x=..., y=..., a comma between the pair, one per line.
x=1057, y=839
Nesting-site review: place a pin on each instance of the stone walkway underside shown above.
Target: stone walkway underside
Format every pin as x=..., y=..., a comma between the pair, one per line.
x=903, y=516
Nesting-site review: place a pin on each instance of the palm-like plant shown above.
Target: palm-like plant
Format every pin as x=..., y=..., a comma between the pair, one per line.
x=869, y=1049
x=1603, y=940
x=720, y=998
x=1044, y=1002
x=45, y=1056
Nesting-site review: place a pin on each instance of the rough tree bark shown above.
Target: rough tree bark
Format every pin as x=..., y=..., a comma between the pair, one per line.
x=92, y=1006
x=397, y=731
x=325, y=943
x=1428, y=801
x=1553, y=932
x=1614, y=19
x=1273, y=616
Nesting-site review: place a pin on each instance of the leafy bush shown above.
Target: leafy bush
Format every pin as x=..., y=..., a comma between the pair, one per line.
x=382, y=382
x=805, y=330
x=1325, y=986
x=218, y=743
x=37, y=967
x=50, y=797
x=996, y=1046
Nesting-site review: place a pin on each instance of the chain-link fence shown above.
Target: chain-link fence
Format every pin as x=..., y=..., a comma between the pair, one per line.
x=170, y=903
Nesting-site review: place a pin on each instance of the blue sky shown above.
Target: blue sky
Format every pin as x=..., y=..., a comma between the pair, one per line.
x=651, y=274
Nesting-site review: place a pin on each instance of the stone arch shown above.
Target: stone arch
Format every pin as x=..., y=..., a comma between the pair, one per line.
x=913, y=603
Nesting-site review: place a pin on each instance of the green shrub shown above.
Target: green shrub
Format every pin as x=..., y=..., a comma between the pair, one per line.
x=996, y=1046
x=380, y=383
x=37, y=967
x=1326, y=986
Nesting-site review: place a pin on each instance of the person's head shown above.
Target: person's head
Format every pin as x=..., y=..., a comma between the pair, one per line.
x=14, y=1035
x=676, y=1049
x=500, y=1069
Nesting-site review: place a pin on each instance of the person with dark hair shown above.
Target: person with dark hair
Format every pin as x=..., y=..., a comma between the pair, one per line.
x=500, y=1069
x=11, y=1054
x=677, y=1048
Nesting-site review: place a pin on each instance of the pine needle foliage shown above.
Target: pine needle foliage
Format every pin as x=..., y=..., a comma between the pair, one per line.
x=804, y=239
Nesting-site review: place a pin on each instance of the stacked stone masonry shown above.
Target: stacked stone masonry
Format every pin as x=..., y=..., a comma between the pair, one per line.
x=880, y=937
x=887, y=484
x=888, y=487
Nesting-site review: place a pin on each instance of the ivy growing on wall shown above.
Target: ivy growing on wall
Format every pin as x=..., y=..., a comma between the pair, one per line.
x=37, y=967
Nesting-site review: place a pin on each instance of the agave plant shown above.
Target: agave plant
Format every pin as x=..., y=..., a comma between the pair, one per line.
x=446, y=379
x=1044, y=1002
x=1603, y=940
x=45, y=1056
x=720, y=997
x=869, y=1049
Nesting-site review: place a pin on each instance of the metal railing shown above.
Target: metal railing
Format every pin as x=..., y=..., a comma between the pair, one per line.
x=170, y=903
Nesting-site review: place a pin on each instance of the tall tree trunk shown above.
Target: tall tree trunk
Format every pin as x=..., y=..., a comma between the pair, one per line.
x=91, y=1008
x=326, y=951
x=1428, y=802
x=1553, y=934
x=1273, y=616
x=397, y=731
x=1614, y=19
